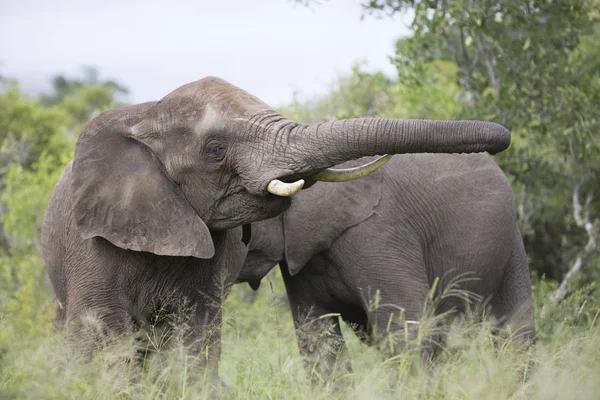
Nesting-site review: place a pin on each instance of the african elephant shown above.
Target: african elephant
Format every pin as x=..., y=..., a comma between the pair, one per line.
x=420, y=217
x=152, y=214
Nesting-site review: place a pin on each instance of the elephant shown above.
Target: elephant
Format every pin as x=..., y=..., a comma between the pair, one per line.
x=421, y=217
x=152, y=216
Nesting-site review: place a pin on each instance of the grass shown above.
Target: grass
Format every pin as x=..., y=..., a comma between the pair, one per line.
x=260, y=360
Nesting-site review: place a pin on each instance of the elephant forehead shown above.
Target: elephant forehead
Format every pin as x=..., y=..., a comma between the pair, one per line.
x=216, y=92
x=212, y=119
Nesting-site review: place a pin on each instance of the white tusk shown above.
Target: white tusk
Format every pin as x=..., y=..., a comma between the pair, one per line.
x=350, y=174
x=283, y=189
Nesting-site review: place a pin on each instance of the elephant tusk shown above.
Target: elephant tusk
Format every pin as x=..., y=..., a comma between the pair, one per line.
x=350, y=174
x=283, y=189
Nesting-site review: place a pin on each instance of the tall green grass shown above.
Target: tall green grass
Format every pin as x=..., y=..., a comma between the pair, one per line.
x=260, y=360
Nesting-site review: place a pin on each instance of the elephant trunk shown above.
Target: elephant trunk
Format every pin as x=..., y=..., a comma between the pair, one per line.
x=335, y=142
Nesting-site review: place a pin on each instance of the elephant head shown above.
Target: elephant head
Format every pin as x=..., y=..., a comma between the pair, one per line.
x=160, y=176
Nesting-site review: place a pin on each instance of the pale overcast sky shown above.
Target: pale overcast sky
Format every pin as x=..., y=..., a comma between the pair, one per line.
x=269, y=47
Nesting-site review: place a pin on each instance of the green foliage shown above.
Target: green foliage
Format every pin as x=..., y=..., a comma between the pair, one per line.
x=83, y=97
x=576, y=313
x=25, y=295
x=363, y=94
x=27, y=129
x=260, y=360
x=26, y=195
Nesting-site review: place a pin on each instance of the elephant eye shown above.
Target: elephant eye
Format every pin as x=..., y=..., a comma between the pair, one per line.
x=215, y=149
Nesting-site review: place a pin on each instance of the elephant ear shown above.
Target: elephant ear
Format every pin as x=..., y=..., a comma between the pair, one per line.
x=122, y=193
x=320, y=214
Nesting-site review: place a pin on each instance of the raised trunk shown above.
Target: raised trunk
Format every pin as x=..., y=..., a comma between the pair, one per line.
x=334, y=142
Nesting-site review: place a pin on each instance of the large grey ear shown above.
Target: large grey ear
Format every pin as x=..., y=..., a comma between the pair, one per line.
x=122, y=193
x=319, y=215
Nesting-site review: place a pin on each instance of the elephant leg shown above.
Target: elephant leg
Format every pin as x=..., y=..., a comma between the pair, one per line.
x=395, y=310
x=174, y=326
x=205, y=343
x=320, y=340
x=397, y=329
x=88, y=327
x=321, y=343
x=202, y=337
x=513, y=305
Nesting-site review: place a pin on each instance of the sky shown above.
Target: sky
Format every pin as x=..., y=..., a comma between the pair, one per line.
x=271, y=48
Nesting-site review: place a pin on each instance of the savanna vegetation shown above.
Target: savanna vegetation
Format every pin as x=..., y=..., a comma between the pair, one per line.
x=533, y=66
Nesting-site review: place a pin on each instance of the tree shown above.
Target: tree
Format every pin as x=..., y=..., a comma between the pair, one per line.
x=373, y=94
x=83, y=98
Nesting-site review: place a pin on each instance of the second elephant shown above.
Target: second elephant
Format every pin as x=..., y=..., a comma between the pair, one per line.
x=419, y=218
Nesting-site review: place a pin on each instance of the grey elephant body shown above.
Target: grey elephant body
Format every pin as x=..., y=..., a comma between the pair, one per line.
x=420, y=217
x=128, y=288
x=152, y=214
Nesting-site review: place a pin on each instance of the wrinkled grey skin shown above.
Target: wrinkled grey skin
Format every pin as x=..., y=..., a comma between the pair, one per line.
x=153, y=210
x=420, y=217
